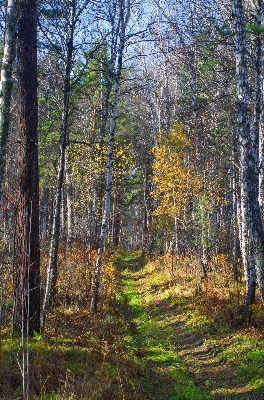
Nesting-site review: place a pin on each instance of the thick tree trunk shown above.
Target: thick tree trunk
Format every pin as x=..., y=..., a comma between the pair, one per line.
x=6, y=82
x=27, y=277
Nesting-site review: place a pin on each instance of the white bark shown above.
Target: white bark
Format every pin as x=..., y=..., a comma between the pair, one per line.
x=124, y=15
x=44, y=212
x=258, y=102
x=68, y=189
x=249, y=162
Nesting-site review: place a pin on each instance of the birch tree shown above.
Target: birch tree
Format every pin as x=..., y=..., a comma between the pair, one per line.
x=248, y=143
x=72, y=15
x=123, y=16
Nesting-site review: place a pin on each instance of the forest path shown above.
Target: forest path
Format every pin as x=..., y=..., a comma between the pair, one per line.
x=180, y=364
x=153, y=335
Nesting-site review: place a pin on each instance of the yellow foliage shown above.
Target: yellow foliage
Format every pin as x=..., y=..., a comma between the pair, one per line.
x=178, y=182
x=175, y=179
x=257, y=307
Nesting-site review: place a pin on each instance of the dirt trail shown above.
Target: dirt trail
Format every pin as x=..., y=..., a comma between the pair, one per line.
x=208, y=369
x=204, y=359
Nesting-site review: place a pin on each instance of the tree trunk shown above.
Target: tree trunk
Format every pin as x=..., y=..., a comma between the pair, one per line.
x=27, y=276
x=258, y=104
x=124, y=15
x=54, y=245
x=68, y=190
x=97, y=280
x=44, y=213
x=248, y=150
x=6, y=83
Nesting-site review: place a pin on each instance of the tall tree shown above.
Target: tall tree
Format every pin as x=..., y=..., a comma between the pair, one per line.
x=71, y=18
x=52, y=267
x=249, y=155
x=27, y=275
x=123, y=16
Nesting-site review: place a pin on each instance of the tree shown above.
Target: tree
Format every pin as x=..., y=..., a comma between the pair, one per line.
x=6, y=82
x=27, y=275
x=71, y=16
x=248, y=144
x=123, y=15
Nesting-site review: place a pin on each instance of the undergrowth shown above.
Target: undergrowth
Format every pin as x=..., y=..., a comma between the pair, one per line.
x=129, y=350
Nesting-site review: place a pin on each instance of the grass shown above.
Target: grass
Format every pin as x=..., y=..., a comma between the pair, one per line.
x=153, y=338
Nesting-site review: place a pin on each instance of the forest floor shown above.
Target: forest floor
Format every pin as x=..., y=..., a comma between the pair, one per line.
x=153, y=339
x=199, y=358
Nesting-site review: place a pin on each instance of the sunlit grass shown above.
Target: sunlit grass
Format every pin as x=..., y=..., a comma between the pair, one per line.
x=154, y=335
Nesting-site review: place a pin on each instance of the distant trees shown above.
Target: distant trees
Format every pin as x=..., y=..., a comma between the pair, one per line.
x=229, y=155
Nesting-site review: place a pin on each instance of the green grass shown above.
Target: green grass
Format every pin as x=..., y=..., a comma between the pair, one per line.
x=168, y=376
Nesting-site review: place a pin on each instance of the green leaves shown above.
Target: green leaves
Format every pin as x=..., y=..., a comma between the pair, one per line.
x=255, y=29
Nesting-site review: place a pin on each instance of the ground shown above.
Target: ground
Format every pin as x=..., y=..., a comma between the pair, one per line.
x=157, y=336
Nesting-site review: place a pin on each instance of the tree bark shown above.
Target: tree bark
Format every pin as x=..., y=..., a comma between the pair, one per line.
x=68, y=190
x=249, y=159
x=44, y=213
x=27, y=276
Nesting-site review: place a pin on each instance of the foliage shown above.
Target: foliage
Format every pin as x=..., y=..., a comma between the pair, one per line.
x=175, y=179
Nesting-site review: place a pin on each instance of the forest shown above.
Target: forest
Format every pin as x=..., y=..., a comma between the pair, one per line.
x=132, y=199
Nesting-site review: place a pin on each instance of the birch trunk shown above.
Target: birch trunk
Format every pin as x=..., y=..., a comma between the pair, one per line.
x=124, y=15
x=44, y=213
x=249, y=160
x=243, y=232
x=52, y=268
x=70, y=229
x=6, y=83
x=107, y=203
x=258, y=102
